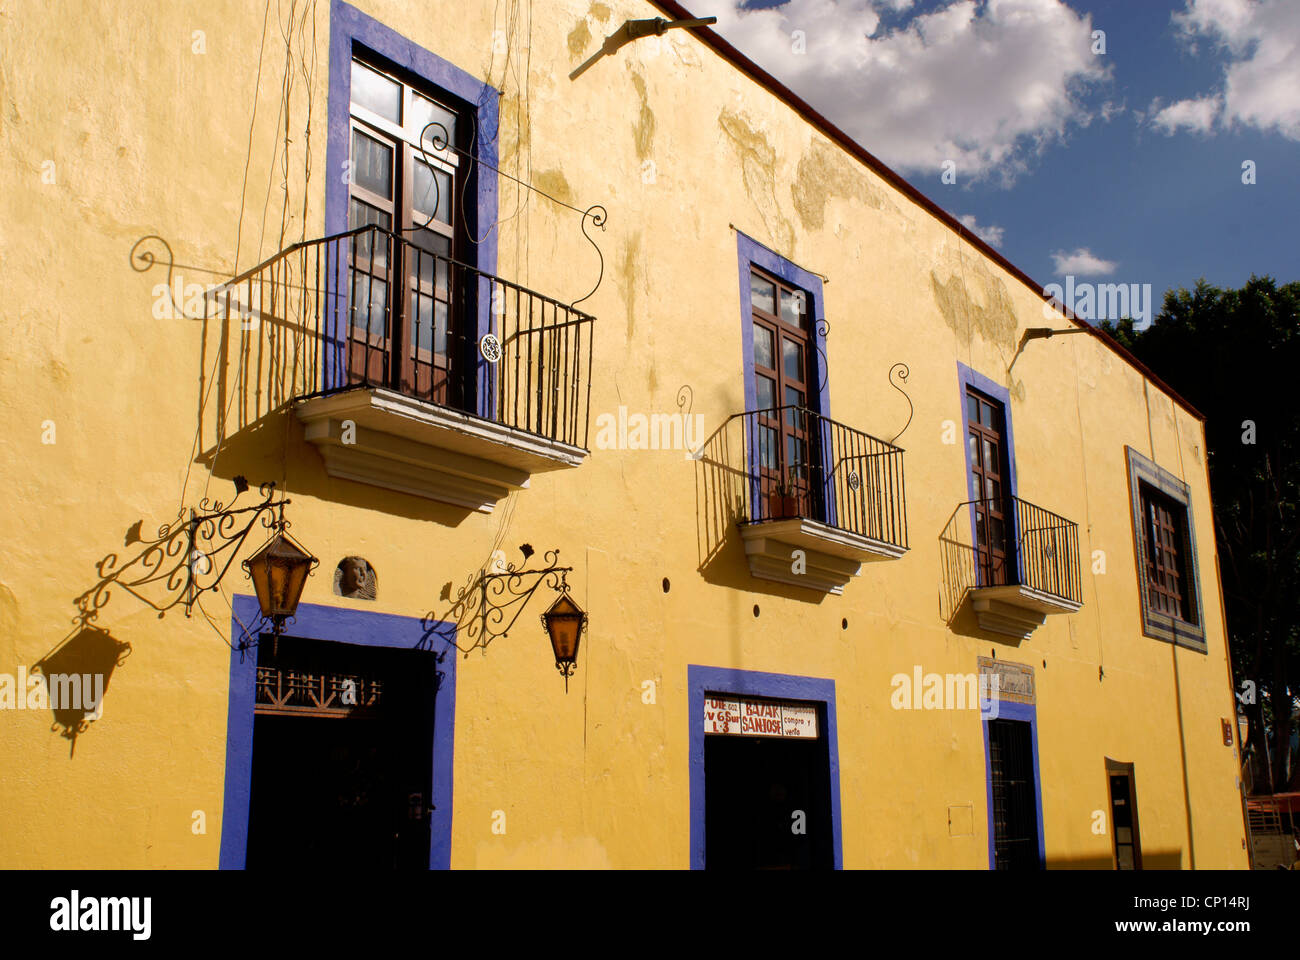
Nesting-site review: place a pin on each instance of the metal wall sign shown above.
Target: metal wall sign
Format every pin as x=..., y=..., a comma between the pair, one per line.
x=746, y=717
x=1015, y=681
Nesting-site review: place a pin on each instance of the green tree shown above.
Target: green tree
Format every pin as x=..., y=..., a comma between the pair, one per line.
x=1235, y=356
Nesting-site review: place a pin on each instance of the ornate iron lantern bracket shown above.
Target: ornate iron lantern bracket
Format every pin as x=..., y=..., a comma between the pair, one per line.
x=189, y=556
x=489, y=606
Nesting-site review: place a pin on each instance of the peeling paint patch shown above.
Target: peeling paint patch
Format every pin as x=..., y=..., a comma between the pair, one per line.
x=825, y=172
x=758, y=164
x=994, y=319
x=9, y=623
x=579, y=38
x=627, y=275
x=600, y=11
x=645, y=124
x=554, y=183
x=644, y=130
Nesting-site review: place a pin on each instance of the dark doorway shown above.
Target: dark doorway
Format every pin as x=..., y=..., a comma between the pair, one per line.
x=342, y=756
x=753, y=787
x=1015, y=806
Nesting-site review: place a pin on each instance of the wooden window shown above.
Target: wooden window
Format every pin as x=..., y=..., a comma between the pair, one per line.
x=1124, y=815
x=785, y=390
x=986, y=449
x=411, y=192
x=1166, y=554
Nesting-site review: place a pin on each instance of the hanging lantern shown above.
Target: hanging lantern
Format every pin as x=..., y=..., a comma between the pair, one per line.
x=279, y=571
x=564, y=623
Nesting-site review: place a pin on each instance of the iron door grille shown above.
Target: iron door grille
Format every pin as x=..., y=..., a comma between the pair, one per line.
x=1015, y=813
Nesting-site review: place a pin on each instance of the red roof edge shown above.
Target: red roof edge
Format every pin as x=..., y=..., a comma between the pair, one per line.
x=749, y=68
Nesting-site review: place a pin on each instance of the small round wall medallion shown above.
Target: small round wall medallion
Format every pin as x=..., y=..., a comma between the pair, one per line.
x=490, y=347
x=854, y=480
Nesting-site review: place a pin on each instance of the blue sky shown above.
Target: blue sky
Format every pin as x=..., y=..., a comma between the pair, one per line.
x=1124, y=166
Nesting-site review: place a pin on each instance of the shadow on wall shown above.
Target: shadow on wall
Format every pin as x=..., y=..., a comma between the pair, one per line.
x=958, y=578
x=1171, y=859
x=723, y=488
x=266, y=344
x=77, y=674
x=268, y=447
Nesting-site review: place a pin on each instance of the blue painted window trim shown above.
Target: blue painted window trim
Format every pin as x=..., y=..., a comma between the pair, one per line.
x=709, y=680
x=751, y=253
x=339, y=625
x=1156, y=625
x=966, y=377
x=351, y=30
x=1027, y=712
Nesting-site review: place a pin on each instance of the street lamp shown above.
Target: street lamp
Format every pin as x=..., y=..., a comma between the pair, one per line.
x=279, y=571
x=564, y=623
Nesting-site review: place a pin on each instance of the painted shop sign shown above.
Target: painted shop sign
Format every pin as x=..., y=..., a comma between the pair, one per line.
x=1015, y=680
x=759, y=718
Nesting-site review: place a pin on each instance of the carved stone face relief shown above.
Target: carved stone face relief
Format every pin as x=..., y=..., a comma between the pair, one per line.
x=355, y=578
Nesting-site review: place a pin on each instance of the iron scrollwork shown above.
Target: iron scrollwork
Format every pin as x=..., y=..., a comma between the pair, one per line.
x=903, y=372
x=440, y=140
x=488, y=607
x=188, y=557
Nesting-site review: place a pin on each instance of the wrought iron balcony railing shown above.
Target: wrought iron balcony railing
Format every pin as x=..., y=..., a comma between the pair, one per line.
x=369, y=307
x=800, y=464
x=992, y=543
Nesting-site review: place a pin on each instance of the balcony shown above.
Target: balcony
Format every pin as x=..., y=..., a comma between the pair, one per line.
x=1017, y=562
x=811, y=484
x=415, y=372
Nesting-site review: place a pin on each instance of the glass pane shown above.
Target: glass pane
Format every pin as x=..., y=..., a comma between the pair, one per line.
x=973, y=450
x=370, y=246
x=972, y=409
x=762, y=294
x=423, y=112
x=429, y=324
x=792, y=359
x=376, y=92
x=990, y=458
x=988, y=415
x=421, y=321
x=369, y=303
x=1125, y=857
x=765, y=392
x=795, y=418
x=425, y=265
x=797, y=457
x=998, y=534
x=992, y=490
x=793, y=308
x=372, y=164
x=767, y=447
x=432, y=194
x=763, y=348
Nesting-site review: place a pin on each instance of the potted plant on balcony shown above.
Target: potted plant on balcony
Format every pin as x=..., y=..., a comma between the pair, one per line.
x=783, y=501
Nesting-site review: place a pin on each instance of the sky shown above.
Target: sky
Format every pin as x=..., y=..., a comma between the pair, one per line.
x=1111, y=157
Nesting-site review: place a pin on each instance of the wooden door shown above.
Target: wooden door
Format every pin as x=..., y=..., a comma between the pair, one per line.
x=407, y=305
x=994, y=547
x=370, y=255
x=790, y=475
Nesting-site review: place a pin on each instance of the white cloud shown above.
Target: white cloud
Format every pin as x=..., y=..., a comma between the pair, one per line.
x=989, y=234
x=1195, y=115
x=1260, y=40
x=1082, y=263
x=983, y=85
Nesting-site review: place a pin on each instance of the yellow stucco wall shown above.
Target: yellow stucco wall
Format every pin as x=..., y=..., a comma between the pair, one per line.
x=147, y=136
